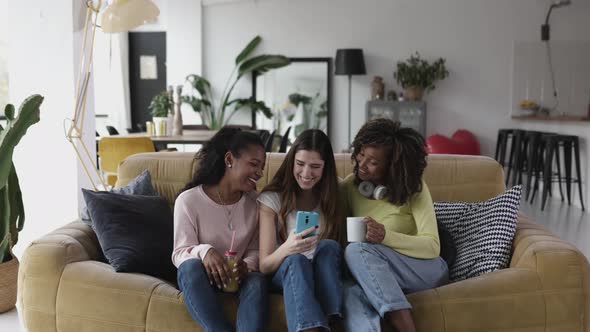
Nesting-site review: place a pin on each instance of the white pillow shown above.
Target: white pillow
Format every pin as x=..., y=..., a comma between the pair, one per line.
x=482, y=232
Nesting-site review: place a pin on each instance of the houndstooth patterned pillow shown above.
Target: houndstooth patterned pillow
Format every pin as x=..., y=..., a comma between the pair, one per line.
x=482, y=232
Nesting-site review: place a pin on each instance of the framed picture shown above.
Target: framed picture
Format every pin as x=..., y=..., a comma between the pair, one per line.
x=298, y=96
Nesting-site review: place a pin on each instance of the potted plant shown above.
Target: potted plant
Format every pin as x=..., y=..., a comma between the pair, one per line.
x=159, y=108
x=416, y=75
x=12, y=212
x=216, y=116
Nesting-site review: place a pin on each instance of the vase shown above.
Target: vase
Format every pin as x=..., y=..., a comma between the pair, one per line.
x=160, y=126
x=377, y=88
x=8, y=281
x=177, y=125
x=414, y=93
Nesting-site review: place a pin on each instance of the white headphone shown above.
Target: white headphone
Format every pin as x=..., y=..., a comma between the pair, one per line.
x=368, y=189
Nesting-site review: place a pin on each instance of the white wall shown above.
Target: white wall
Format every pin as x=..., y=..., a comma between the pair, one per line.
x=41, y=60
x=475, y=36
x=181, y=20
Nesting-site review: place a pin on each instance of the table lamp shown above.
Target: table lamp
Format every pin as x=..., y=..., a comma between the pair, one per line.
x=350, y=61
x=119, y=16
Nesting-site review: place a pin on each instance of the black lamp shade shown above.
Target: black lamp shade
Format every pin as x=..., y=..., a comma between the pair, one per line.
x=350, y=61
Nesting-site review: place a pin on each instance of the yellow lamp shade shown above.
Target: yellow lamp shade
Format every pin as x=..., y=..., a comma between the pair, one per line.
x=123, y=15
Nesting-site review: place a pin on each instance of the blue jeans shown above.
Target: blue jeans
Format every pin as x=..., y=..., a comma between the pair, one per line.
x=384, y=276
x=201, y=299
x=312, y=289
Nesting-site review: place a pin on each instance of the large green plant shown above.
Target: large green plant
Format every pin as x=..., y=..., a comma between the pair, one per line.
x=214, y=116
x=12, y=212
x=417, y=72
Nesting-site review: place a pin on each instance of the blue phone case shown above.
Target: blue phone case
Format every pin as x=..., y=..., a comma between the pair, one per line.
x=306, y=220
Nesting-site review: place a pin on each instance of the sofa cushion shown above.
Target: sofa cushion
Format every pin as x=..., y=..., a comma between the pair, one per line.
x=135, y=232
x=141, y=185
x=482, y=232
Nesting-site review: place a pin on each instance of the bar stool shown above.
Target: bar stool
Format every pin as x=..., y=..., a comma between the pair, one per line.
x=533, y=148
x=570, y=142
x=517, y=156
x=501, y=144
x=543, y=165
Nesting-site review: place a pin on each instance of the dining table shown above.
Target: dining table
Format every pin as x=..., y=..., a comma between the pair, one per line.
x=187, y=137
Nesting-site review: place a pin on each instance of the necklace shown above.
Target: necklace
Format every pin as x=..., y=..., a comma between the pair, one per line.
x=228, y=211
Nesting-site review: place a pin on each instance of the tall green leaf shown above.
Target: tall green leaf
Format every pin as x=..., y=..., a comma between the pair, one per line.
x=262, y=64
x=248, y=49
x=254, y=105
x=4, y=227
x=28, y=115
x=200, y=84
x=17, y=209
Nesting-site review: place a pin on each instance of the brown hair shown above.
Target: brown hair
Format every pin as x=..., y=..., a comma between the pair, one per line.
x=406, y=155
x=285, y=184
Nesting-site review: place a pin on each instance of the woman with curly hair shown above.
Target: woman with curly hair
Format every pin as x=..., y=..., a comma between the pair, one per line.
x=400, y=254
x=306, y=270
x=217, y=212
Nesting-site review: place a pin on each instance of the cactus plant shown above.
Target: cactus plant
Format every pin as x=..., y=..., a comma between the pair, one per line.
x=12, y=213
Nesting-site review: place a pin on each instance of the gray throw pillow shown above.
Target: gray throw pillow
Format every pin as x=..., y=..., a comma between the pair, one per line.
x=135, y=232
x=141, y=185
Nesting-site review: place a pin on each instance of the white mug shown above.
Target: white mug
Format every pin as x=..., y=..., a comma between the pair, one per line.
x=356, y=229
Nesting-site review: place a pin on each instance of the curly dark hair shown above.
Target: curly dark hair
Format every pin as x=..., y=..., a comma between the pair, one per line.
x=406, y=154
x=211, y=163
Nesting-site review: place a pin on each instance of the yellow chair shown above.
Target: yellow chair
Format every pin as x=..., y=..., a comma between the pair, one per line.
x=112, y=150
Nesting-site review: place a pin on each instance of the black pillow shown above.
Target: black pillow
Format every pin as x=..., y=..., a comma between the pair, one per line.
x=448, y=251
x=134, y=231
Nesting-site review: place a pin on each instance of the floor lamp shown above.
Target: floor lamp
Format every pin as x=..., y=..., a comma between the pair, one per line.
x=119, y=16
x=350, y=61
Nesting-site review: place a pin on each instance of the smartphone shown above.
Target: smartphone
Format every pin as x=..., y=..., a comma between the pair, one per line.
x=306, y=220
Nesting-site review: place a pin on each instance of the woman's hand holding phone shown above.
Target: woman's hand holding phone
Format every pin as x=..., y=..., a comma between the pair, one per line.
x=296, y=243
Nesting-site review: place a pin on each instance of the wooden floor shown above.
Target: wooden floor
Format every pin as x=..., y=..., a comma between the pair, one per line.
x=567, y=222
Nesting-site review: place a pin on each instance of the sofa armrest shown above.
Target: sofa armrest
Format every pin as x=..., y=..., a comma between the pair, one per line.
x=563, y=270
x=41, y=269
x=546, y=287
x=501, y=300
x=558, y=263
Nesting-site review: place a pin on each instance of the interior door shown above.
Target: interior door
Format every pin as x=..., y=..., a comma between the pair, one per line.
x=147, y=72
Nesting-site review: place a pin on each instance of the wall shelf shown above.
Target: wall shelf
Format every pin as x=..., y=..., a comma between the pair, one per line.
x=558, y=118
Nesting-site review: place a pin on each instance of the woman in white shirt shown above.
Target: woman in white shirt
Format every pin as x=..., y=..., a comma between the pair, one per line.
x=306, y=269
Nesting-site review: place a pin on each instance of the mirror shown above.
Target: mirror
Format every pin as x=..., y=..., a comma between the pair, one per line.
x=298, y=96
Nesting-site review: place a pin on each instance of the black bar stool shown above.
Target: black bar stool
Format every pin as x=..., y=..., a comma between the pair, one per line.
x=516, y=158
x=570, y=142
x=543, y=168
x=533, y=149
x=501, y=145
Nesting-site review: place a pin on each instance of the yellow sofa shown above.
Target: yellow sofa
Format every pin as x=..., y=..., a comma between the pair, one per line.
x=63, y=287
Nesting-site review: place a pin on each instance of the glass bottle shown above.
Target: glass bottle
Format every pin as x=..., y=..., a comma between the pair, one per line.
x=231, y=260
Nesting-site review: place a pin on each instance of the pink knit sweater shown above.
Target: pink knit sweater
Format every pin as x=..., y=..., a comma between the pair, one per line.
x=201, y=224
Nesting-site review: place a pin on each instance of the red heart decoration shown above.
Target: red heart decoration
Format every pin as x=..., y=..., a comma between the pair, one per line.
x=462, y=142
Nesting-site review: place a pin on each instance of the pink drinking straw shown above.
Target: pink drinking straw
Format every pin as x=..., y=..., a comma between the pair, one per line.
x=233, y=237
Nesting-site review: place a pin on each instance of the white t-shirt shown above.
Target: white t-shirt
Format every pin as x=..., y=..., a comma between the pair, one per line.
x=273, y=201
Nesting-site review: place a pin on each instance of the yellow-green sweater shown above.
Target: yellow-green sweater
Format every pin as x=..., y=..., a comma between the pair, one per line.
x=410, y=228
